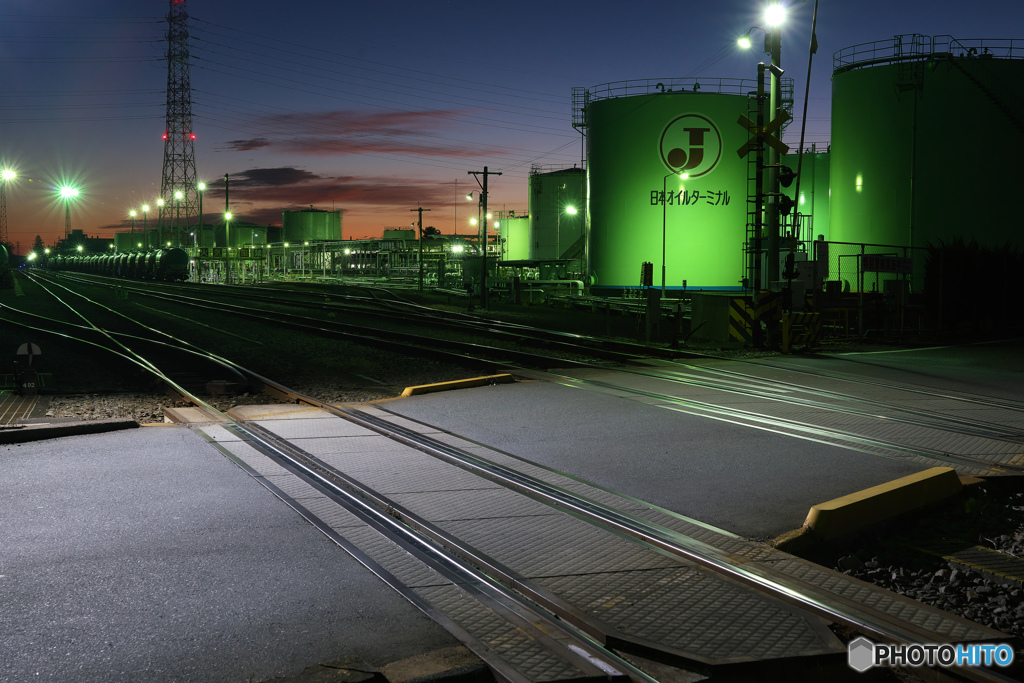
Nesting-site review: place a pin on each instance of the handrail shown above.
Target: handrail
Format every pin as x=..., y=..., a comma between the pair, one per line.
x=914, y=46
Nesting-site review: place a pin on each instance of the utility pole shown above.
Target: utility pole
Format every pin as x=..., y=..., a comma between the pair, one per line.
x=420, y=224
x=483, y=231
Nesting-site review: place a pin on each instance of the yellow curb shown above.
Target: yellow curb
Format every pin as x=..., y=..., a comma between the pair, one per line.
x=857, y=511
x=504, y=378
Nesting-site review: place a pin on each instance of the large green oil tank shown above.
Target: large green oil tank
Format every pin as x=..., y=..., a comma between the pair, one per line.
x=927, y=137
x=311, y=224
x=556, y=213
x=637, y=144
x=515, y=230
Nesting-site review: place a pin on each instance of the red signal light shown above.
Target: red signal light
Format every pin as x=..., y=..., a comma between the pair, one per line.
x=165, y=135
x=192, y=135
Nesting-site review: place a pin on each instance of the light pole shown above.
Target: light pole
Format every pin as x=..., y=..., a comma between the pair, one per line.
x=664, y=222
x=132, y=214
x=304, y=256
x=67, y=194
x=774, y=17
x=5, y=177
x=202, y=188
x=420, y=224
x=178, y=196
x=145, y=224
x=227, y=242
x=160, y=206
x=284, y=264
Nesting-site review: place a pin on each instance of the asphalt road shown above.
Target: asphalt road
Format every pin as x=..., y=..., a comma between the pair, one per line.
x=147, y=555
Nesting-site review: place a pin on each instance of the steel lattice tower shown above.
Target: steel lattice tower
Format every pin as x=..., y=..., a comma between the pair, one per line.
x=179, y=149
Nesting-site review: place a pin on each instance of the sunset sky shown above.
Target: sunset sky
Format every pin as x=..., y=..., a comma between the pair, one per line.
x=374, y=108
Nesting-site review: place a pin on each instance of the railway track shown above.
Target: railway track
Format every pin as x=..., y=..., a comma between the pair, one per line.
x=803, y=410
x=547, y=612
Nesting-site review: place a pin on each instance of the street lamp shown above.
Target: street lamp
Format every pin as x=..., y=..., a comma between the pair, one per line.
x=132, y=214
x=7, y=176
x=664, y=203
x=774, y=17
x=67, y=194
x=160, y=206
x=227, y=243
x=304, y=257
x=178, y=196
x=284, y=264
x=145, y=223
x=202, y=188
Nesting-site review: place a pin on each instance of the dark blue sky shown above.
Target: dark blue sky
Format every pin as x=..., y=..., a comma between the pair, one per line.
x=375, y=108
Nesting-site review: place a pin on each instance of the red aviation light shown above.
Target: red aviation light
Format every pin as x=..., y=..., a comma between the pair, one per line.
x=165, y=135
x=192, y=136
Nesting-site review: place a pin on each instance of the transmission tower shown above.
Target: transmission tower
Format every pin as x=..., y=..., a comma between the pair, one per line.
x=179, y=149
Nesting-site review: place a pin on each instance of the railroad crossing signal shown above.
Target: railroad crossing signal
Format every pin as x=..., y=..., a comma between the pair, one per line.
x=765, y=134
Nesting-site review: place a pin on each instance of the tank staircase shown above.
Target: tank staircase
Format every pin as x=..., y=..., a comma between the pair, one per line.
x=993, y=98
x=574, y=250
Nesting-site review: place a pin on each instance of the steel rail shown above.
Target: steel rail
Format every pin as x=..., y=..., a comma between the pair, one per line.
x=806, y=427
x=808, y=597
x=929, y=419
x=572, y=644
x=799, y=593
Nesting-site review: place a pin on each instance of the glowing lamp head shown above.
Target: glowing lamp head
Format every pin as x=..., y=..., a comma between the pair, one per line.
x=145, y=208
x=775, y=15
x=744, y=42
x=571, y=210
x=8, y=174
x=201, y=187
x=79, y=247
x=489, y=216
x=227, y=216
x=179, y=195
x=68, y=192
x=472, y=221
x=140, y=245
x=32, y=256
x=132, y=213
x=684, y=176
x=469, y=196
x=160, y=202
x=46, y=250
x=457, y=248
x=288, y=245
x=348, y=251
x=306, y=244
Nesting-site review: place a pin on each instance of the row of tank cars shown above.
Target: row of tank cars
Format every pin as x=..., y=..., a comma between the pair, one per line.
x=160, y=264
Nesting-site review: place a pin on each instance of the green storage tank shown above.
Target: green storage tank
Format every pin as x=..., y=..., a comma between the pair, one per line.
x=556, y=214
x=515, y=230
x=640, y=136
x=310, y=225
x=927, y=135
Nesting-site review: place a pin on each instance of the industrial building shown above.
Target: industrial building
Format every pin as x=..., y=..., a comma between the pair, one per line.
x=671, y=196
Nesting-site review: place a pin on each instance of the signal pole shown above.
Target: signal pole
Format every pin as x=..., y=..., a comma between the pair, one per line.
x=483, y=231
x=420, y=224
